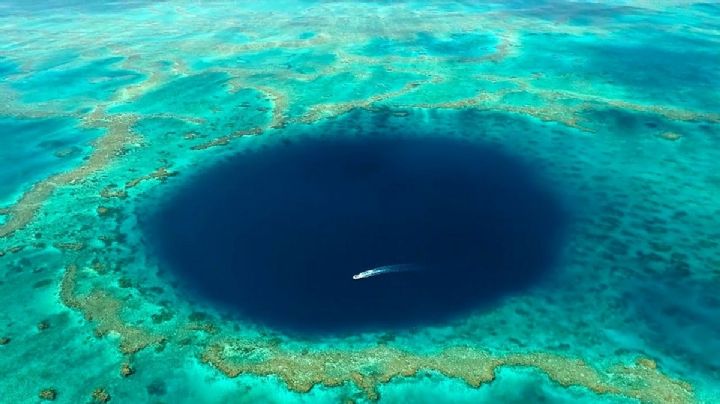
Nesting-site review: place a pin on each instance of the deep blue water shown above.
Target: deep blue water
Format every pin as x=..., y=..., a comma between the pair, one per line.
x=277, y=233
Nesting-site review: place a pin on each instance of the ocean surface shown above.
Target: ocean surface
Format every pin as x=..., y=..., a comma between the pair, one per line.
x=188, y=188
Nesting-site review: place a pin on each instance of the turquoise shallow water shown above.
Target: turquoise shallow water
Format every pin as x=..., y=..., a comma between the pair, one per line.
x=36, y=148
x=107, y=109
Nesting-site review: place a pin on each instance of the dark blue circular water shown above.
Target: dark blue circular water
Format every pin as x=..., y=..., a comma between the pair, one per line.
x=278, y=233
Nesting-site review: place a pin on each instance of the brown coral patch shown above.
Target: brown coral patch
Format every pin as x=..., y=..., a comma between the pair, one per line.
x=225, y=140
x=47, y=394
x=161, y=174
x=204, y=326
x=100, y=395
x=280, y=106
x=104, y=310
x=369, y=368
x=113, y=192
x=16, y=249
x=126, y=370
x=70, y=246
x=104, y=211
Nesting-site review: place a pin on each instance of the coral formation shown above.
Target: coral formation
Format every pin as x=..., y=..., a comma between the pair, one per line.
x=48, y=394
x=303, y=370
x=100, y=395
x=126, y=370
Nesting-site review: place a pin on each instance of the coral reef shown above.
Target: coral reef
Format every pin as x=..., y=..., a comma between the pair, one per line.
x=152, y=93
x=100, y=395
x=303, y=370
x=48, y=394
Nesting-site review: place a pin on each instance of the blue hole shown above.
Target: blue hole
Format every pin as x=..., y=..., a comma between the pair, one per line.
x=277, y=234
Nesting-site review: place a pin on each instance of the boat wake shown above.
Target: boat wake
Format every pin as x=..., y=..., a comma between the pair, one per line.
x=386, y=270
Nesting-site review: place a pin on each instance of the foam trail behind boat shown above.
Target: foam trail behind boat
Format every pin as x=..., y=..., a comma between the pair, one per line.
x=385, y=270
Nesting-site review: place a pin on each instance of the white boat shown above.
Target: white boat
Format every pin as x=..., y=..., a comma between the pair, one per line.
x=384, y=270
